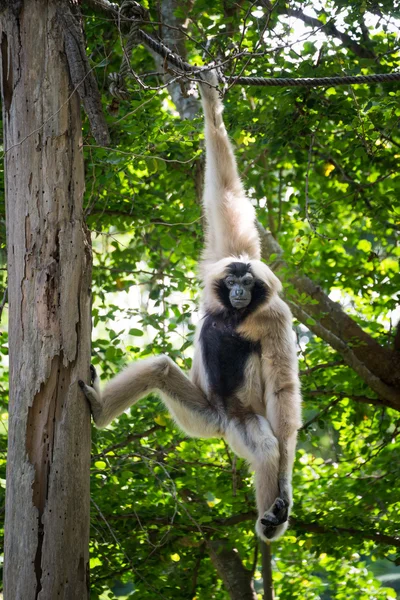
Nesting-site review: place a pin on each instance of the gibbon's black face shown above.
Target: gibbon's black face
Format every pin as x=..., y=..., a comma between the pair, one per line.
x=239, y=289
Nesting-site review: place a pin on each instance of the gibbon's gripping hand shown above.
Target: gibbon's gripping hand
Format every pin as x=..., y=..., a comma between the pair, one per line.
x=208, y=89
x=92, y=394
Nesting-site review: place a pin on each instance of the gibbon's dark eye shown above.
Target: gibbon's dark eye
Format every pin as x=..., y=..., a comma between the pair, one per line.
x=230, y=282
x=248, y=281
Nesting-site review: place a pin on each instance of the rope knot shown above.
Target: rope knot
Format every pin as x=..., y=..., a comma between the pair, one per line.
x=117, y=86
x=133, y=10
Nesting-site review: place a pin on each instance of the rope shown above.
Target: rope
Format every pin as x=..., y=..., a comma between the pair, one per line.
x=315, y=81
x=132, y=11
x=174, y=59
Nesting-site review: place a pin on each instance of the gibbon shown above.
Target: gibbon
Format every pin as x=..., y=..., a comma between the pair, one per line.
x=244, y=383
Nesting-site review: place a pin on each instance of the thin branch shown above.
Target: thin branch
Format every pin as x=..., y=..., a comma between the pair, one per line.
x=294, y=523
x=319, y=415
x=330, y=29
x=121, y=547
x=327, y=365
x=379, y=538
x=145, y=156
x=81, y=74
x=126, y=441
x=268, y=583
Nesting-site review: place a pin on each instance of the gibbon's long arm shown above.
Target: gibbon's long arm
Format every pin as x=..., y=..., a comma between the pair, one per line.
x=230, y=216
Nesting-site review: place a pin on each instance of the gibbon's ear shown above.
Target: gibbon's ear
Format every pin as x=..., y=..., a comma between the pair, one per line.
x=261, y=271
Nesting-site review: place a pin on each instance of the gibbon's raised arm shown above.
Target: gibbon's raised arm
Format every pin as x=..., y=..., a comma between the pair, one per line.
x=230, y=216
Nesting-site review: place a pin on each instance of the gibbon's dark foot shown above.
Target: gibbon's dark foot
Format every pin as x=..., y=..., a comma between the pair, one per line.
x=93, y=378
x=92, y=392
x=277, y=515
x=93, y=396
x=93, y=375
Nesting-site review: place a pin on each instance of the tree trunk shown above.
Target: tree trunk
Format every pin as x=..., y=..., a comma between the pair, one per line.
x=49, y=273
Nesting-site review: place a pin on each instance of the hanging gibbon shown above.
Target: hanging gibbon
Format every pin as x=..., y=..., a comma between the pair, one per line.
x=244, y=383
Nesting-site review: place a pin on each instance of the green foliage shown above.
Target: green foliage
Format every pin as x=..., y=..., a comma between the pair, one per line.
x=158, y=497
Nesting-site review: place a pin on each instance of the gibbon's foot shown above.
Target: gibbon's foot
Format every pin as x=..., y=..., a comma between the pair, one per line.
x=275, y=516
x=92, y=393
x=93, y=375
x=94, y=380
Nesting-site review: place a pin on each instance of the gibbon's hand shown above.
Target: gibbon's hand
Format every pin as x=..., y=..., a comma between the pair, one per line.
x=208, y=89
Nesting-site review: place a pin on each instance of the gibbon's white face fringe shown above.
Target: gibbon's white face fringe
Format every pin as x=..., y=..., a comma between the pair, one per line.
x=244, y=383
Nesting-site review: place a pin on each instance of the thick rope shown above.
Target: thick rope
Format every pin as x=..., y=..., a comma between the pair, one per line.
x=315, y=81
x=174, y=59
x=134, y=13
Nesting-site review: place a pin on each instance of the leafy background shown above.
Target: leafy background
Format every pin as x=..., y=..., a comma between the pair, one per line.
x=321, y=166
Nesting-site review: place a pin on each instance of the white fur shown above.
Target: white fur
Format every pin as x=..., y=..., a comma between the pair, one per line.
x=270, y=395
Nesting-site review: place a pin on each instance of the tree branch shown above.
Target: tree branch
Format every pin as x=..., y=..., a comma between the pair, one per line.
x=82, y=75
x=379, y=367
x=237, y=579
x=295, y=523
x=331, y=30
x=379, y=538
x=126, y=441
x=268, y=583
x=328, y=28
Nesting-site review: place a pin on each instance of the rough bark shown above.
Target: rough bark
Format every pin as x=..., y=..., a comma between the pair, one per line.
x=49, y=272
x=237, y=579
x=82, y=76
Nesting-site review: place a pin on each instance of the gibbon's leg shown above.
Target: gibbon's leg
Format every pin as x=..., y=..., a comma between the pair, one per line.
x=283, y=409
x=186, y=402
x=251, y=437
x=273, y=523
x=231, y=228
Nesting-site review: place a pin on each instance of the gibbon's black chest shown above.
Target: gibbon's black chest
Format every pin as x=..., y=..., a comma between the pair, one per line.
x=225, y=354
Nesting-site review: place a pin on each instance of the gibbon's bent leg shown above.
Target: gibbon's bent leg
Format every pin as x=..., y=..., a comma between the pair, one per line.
x=283, y=402
x=230, y=216
x=273, y=523
x=252, y=438
x=185, y=401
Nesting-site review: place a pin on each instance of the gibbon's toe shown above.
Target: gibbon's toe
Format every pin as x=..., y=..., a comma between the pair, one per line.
x=280, y=510
x=93, y=374
x=269, y=529
x=81, y=384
